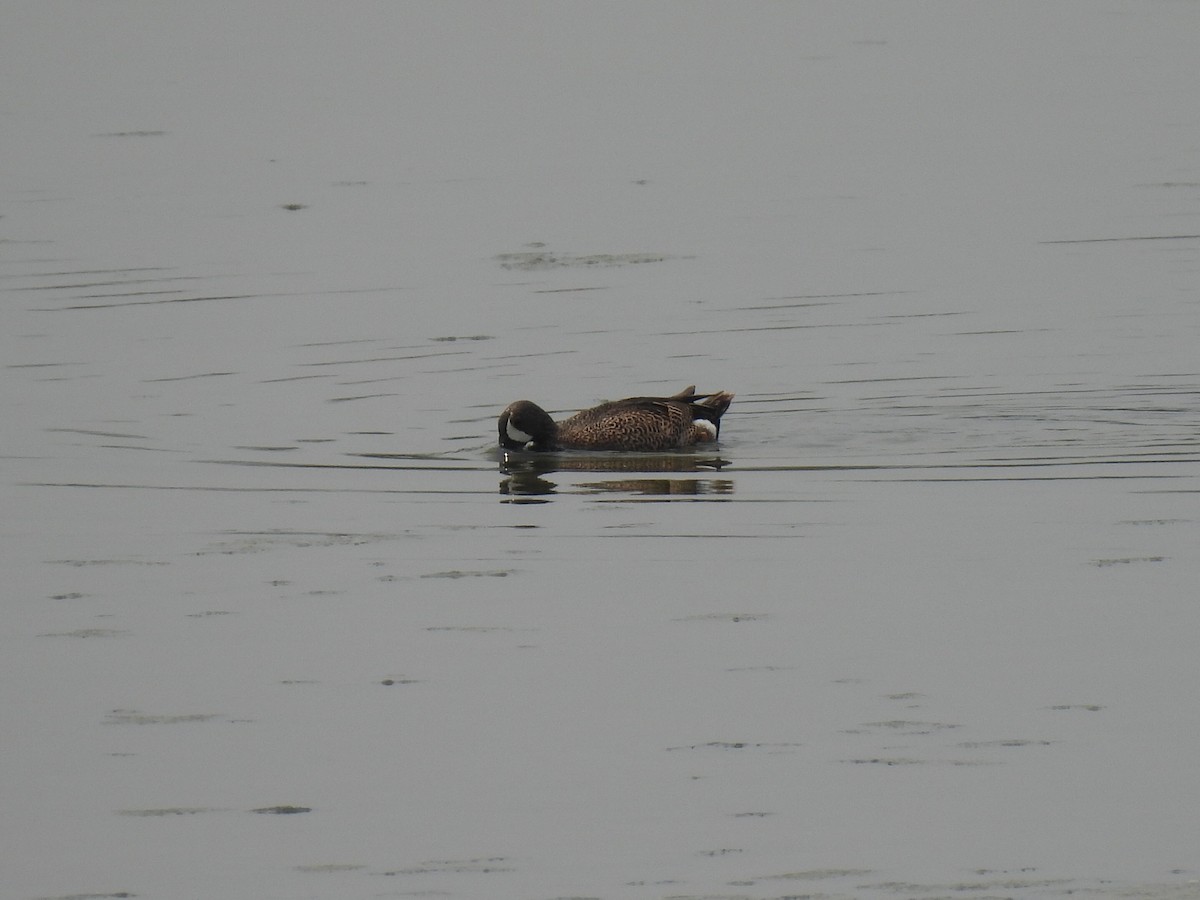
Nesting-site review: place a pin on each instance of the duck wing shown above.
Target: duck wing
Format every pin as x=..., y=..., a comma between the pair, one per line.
x=635, y=423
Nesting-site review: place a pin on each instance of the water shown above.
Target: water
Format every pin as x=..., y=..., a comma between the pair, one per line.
x=282, y=621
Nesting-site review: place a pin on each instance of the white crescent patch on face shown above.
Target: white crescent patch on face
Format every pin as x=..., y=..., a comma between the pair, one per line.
x=516, y=434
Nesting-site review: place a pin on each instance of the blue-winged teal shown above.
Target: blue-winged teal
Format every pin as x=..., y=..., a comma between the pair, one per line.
x=636, y=423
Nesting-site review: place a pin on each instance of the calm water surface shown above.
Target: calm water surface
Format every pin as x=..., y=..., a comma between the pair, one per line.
x=281, y=620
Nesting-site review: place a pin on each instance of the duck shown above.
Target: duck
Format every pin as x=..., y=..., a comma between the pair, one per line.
x=637, y=424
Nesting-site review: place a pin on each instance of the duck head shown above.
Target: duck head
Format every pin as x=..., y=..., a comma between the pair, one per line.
x=525, y=424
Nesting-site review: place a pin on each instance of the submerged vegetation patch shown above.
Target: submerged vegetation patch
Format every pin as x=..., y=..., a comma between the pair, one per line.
x=480, y=865
x=1127, y=561
x=86, y=633
x=460, y=573
x=133, y=717
x=540, y=259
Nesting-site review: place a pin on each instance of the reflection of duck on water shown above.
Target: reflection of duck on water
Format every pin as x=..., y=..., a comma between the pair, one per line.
x=529, y=484
x=525, y=472
x=545, y=463
x=636, y=423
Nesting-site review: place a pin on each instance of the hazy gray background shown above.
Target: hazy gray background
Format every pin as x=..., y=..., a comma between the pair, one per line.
x=280, y=623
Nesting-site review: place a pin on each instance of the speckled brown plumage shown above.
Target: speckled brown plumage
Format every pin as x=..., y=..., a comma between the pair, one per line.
x=635, y=423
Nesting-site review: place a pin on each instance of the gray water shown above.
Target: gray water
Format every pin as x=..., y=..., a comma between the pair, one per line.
x=281, y=621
